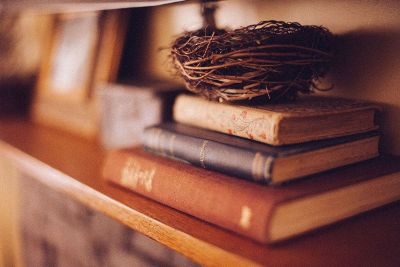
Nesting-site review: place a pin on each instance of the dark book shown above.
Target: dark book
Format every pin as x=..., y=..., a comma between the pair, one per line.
x=257, y=161
x=264, y=213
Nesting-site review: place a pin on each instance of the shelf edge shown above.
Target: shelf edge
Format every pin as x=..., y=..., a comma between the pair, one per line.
x=198, y=250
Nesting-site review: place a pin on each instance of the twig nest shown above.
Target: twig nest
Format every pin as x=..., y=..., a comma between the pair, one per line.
x=271, y=59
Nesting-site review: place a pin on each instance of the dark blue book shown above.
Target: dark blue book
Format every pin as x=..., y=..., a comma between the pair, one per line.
x=256, y=161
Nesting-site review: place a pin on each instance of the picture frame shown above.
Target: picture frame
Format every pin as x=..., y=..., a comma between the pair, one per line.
x=83, y=50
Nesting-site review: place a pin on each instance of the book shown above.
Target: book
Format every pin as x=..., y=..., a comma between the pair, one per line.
x=257, y=161
x=126, y=109
x=307, y=119
x=266, y=214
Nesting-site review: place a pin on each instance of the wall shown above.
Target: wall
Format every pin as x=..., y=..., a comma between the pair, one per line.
x=367, y=64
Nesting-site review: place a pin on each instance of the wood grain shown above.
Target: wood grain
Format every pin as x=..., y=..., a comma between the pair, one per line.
x=72, y=165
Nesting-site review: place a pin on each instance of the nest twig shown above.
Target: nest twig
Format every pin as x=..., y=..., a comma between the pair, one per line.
x=272, y=58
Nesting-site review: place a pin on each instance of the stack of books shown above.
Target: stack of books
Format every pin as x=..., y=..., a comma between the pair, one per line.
x=245, y=164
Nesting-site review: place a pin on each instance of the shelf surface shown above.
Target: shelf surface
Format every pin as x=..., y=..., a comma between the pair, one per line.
x=73, y=165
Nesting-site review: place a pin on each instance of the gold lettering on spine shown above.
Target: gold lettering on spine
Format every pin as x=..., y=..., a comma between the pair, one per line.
x=245, y=217
x=203, y=153
x=257, y=167
x=267, y=168
x=171, y=145
x=133, y=175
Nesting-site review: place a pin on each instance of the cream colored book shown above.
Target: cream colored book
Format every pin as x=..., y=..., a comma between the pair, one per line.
x=307, y=119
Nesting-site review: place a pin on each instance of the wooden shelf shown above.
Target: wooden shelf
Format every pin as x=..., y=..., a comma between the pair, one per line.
x=72, y=165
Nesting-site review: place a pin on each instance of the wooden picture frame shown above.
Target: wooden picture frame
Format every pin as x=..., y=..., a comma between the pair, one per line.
x=83, y=51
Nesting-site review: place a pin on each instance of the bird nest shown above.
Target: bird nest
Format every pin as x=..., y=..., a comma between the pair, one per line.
x=269, y=60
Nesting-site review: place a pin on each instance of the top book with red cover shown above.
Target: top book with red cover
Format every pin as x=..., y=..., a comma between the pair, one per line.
x=309, y=118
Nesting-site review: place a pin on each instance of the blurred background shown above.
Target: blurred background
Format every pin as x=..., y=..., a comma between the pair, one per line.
x=367, y=66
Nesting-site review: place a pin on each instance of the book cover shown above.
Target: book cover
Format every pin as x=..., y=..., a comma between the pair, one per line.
x=308, y=118
x=264, y=213
x=255, y=161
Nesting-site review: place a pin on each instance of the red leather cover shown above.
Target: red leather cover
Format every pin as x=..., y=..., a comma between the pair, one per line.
x=234, y=204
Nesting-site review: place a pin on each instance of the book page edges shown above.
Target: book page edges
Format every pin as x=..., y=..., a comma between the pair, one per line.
x=299, y=165
x=298, y=216
x=324, y=127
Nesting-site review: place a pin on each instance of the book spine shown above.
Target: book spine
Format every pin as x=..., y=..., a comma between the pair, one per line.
x=233, y=204
x=208, y=154
x=235, y=120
